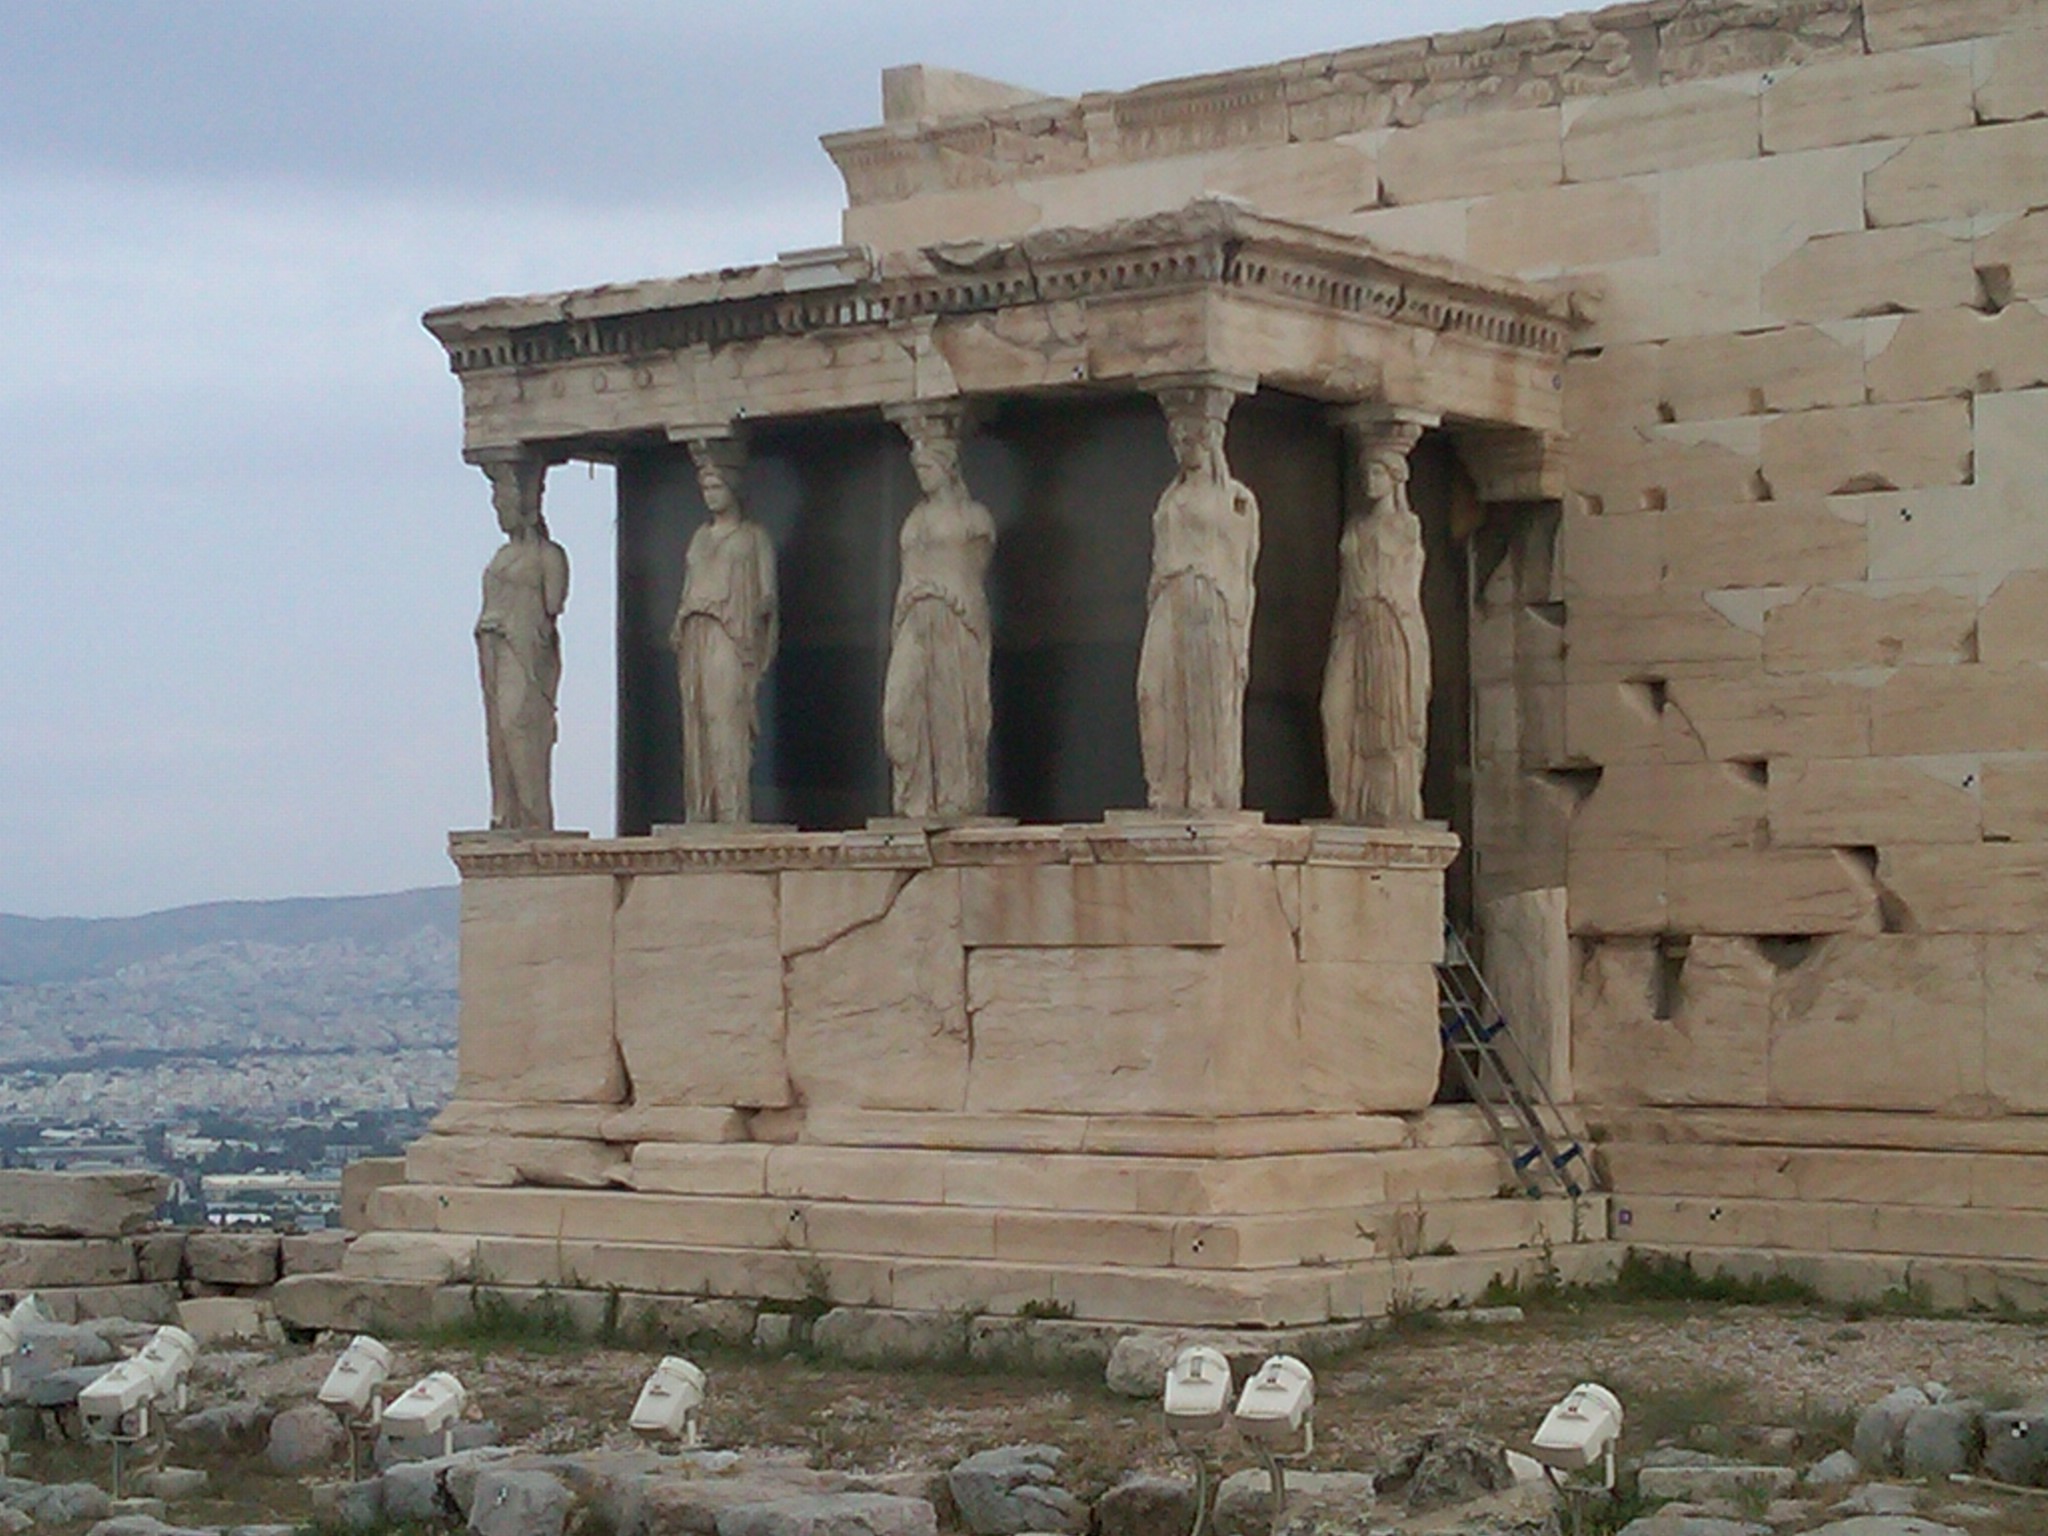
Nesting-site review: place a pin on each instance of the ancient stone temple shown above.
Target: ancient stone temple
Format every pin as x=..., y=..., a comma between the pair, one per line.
x=1081, y=637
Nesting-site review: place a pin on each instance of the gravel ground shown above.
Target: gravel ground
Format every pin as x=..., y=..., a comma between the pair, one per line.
x=1772, y=1383
x=1711, y=1375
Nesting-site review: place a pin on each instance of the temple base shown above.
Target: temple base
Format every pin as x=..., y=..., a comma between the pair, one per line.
x=1161, y=1069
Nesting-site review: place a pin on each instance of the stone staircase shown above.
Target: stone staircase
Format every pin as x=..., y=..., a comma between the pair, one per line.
x=1262, y=1239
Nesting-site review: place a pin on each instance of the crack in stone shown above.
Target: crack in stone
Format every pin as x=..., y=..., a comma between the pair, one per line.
x=902, y=879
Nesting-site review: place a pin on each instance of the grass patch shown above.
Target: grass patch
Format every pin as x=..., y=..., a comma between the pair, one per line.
x=1696, y=1413
x=544, y=1325
x=1671, y=1277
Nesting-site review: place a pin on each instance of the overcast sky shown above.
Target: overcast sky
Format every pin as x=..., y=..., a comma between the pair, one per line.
x=242, y=548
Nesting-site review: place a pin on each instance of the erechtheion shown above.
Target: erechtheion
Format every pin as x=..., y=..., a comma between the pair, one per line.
x=1082, y=634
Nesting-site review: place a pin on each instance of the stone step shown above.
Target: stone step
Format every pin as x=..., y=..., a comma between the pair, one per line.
x=1947, y=1285
x=1810, y=1128
x=1832, y=1226
x=2003, y=1180
x=994, y=1233
x=1299, y=1294
x=1077, y=1182
x=1135, y=1135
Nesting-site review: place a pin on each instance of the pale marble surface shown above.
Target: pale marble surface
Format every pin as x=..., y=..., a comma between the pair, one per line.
x=724, y=639
x=1196, y=656
x=519, y=650
x=935, y=699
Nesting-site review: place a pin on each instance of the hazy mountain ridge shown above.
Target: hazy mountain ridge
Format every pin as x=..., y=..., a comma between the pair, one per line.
x=54, y=949
x=319, y=975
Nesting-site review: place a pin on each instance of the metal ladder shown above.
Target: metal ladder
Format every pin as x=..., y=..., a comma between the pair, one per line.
x=1503, y=1082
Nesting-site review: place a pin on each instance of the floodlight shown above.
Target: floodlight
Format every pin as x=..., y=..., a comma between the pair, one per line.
x=430, y=1406
x=351, y=1387
x=10, y=1346
x=1580, y=1431
x=671, y=1401
x=1197, y=1397
x=1277, y=1407
x=117, y=1404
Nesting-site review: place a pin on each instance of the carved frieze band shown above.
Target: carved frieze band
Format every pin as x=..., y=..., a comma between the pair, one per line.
x=1141, y=841
x=1157, y=257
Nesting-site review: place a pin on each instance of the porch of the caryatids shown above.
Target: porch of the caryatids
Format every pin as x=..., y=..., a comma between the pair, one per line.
x=1195, y=660
x=1376, y=684
x=935, y=698
x=724, y=638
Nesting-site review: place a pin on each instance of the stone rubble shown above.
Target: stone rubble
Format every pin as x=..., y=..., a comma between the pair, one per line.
x=1449, y=1482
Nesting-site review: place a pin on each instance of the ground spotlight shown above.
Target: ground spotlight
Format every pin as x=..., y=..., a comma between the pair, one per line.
x=671, y=1402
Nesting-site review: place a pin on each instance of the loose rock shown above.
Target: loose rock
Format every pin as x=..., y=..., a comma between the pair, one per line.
x=1447, y=1467
x=1881, y=1430
x=1316, y=1501
x=240, y=1426
x=2016, y=1446
x=1146, y=1506
x=305, y=1437
x=513, y=1502
x=837, y=1514
x=1013, y=1489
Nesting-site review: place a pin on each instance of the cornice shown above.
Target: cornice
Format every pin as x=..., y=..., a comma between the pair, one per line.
x=1210, y=244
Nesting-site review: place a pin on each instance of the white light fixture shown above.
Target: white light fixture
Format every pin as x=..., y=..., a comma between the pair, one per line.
x=430, y=1406
x=1276, y=1410
x=1197, y=1397
x=1275, y=1416
x=671, y=1402
x=351, y=1387
x=1196, y=1403
x=126, y=1402
x=1580, y=1432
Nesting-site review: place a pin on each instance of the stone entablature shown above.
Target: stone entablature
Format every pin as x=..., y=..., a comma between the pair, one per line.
x=1212, y=288
x=1535, y=63
x=1121, y=840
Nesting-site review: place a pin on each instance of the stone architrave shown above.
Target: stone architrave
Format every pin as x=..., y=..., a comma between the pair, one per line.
x=935, y=700
x=1376, y=683
x=1196, y=657
x=519, y=648
x=724, y=639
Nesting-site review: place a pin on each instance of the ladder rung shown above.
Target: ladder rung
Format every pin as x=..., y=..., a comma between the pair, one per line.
x=1526, y=1158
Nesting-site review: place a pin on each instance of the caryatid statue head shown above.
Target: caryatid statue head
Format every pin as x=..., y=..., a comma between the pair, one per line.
x=1196, y=417
x=515, y=494
x=935, y=429
x=720, y=463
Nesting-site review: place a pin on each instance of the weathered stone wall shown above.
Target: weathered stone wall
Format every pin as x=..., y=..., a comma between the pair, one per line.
x=1772, y=705
x=88, y=1246
x=1127, y=969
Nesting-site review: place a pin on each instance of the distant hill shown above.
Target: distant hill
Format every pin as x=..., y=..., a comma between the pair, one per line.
x=57, y=949
x=230, y=981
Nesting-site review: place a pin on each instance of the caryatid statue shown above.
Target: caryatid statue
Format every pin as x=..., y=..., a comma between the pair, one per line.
x=724, y=639
x=1376, y=685
x=1196, y=656
x=935, y=698
x=519, y=649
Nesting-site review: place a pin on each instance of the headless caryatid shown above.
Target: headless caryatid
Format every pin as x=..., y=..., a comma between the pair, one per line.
x=1376, y=686
x=519, y=650
x=1196, y=655
x=724, y=639
x=935, y=699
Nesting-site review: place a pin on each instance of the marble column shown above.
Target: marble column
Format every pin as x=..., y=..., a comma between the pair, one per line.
x=724, y=638
x=519, y=647
x=1377, y=681
x=935, y=698
x=1196, y=657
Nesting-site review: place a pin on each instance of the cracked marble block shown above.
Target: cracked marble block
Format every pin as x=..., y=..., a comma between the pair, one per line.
x=699, y=976
x=877, y=998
